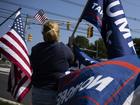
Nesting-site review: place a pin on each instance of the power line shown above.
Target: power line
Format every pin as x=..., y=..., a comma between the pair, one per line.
x=4, y=12
x=68, y=1
x=61, y=22
x=131, y=3
x=36, y=9
x=77, y=4
x=56, y=14
x=8, y=11
x=132, y=18
x=32, y=17
x=135, y=30
x=74, y=3
x=81, y=30
x=78, y=31
x=6, y=17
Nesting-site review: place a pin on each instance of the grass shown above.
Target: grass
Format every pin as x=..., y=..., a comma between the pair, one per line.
x=4, y=103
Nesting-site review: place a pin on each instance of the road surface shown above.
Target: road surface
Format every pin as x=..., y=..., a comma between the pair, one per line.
x=4, y=72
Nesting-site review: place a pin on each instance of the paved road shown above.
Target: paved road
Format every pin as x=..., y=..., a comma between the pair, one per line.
x=4, y=72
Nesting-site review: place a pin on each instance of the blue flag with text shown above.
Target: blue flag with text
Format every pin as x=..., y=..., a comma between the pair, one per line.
x=109, y=18
x=114, y=82
x=82, y=57
x=106, y=83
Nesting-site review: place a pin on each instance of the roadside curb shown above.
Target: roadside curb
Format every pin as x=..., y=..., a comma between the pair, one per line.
x=5, y=65
x=3, y=69
x=9, y=101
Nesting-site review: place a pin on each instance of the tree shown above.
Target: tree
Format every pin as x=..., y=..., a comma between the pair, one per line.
x=98, y=50
x=81, y=42
x=101, y=51
x=137, y=45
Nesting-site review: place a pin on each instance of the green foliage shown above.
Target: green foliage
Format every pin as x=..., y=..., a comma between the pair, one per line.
x=5, y=103
x=81, y=42
x=137, y=45
x=98, y=49
x=101, y=49
x=91, y=50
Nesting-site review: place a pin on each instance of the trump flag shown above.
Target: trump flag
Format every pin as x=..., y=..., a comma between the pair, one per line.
x=113, y=82
x=109, y=18
x=82, y=57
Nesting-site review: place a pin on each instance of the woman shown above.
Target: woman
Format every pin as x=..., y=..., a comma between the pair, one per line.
x=50, y=60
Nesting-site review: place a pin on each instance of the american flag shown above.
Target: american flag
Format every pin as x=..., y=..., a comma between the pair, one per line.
x=40, y=16
x=13, y=46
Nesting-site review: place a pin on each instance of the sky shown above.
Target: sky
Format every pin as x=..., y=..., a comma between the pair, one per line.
x=63, y=11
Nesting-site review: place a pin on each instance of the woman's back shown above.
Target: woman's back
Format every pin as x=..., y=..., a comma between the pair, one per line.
x=48, y=59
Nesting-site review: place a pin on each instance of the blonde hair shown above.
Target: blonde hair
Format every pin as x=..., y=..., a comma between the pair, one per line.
x=50, y=31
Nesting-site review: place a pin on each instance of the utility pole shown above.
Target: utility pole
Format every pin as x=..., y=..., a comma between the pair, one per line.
x=97, y=49
x=25, y=25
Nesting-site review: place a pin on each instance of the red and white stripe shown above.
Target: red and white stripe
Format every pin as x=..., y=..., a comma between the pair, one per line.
x=40, y=16
x=14, y=48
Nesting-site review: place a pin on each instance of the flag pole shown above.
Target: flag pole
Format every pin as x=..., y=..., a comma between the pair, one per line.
x=71, y=38
x=10, y=16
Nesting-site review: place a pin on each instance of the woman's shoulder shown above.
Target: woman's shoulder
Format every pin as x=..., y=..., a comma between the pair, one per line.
x=65, y=46
x=62, y=44
x=39, y=45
